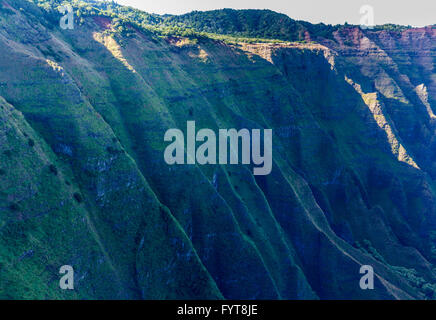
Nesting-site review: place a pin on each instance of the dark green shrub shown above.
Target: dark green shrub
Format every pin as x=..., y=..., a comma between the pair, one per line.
x=78, y=197
x=113, y=151
x=8, y=153
x=14, y=207
x=53, y=169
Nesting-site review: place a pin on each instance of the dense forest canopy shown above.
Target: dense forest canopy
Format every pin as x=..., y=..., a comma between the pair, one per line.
x=225, y=24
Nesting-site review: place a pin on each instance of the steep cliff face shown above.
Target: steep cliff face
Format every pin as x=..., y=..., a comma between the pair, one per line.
x=84, y=181
x=398, y=69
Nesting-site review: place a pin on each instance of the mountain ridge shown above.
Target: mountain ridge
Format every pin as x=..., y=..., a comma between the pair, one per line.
x=84, y=181
x=244, y=24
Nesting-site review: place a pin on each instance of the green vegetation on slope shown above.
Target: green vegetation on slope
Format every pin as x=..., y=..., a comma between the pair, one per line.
x=226, y=24
x=97, y=101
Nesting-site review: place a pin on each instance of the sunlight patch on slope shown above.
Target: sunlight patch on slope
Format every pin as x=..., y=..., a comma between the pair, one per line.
x=199, y=54
x=375, y=107
x=422, y=93
x=55, y=66
x=267, y=50
x=113, y=47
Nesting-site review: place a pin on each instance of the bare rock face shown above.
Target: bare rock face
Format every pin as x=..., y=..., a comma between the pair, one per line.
x=84, y=183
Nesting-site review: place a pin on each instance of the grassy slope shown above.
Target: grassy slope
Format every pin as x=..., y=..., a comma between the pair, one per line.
x=287, y=235
x=116, y=195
